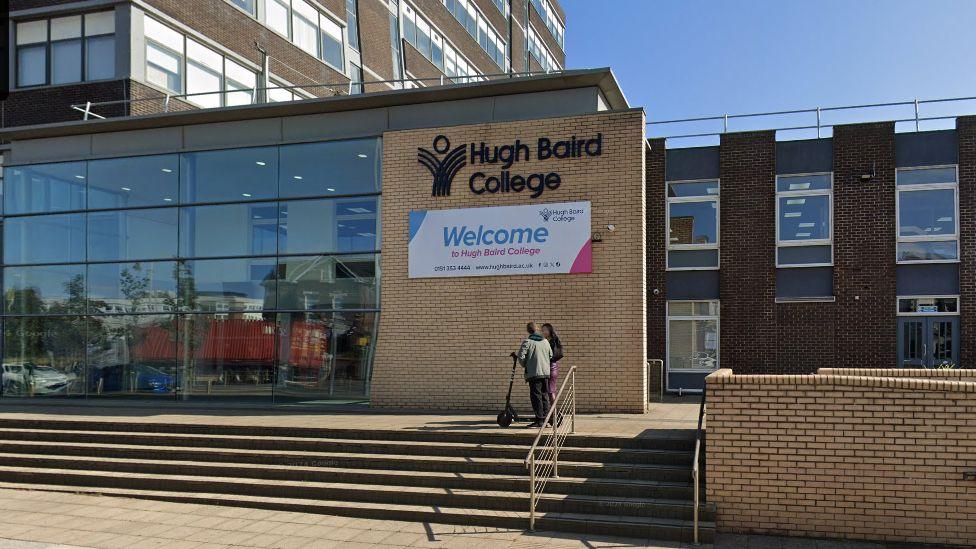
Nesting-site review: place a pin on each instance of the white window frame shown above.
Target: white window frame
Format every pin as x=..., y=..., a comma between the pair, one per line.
x=667, y=336
x=717, y=199
x=948, y=296
x=899, y=239
x=829, y=241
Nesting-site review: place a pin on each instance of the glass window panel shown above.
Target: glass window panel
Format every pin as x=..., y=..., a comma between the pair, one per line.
x=132, y=355
x=327, y=282
x=803, y=183
x=44, y=188
x=688, y=259
x=437, y=50
x=230, y=230
x=44, y=239
x=409, y=26
x=132, y=234
x=352, y=20
x=102, y=22
x=927, y=213
x=926, y=175
x=927, y=251
x=332, y=43
x=693, y=223
x=330, y=168
x=204, y=56
x=163, y=67
x=692, y=344
x=238, y=77
x=276, y=15
x=323, y=226
x=142, y=287
x=135, y=181
x=247, y=5
x=32, y=32
x=423, y=37
x=44, y=356
x=325, y=354
x=100, y=58
x=277, y=95
x=164, y=35
x=804, y=217
x=229, y=285
x=233, y=174
x=804, y=255
x=32, y=65
x=226, y=355
x=200, y=80
x=695, y=188
x=38, y=290
x=305, y=27
x=64, y=28
x=924, y=305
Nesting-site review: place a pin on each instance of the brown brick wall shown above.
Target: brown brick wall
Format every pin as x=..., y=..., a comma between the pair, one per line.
x=543, y=31
x=804, y=337
x=445, y=341
x=656, y=251
x=441, y=18
x=53, y=104
x=377, y=52
x=149, y=100
x=864, y=245
x=748, y=251
x=848, y=457
x=966, y=132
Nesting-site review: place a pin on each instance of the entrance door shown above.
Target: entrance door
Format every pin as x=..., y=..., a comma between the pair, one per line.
x=928, y=342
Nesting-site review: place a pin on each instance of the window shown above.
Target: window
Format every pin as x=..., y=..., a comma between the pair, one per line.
x=44, y=239
x=354, y=168
x=240, y=83
x=276, y=16
x=928, y=305
x=204, y=69
x=352, y=23
x=229, y=285
x=164, y=56
x=474, y=22
x=541, y=53
x=804, y=206
x=435, y=47
x=927, y=203
x=229, y=175
x=131, y=235
x=133, y=182
x=45, y=188
x=335, y=282
x=65, y=50
x=304, y=23
x=548, y=14
x=395, y=41
x=250, y=6
x=37, y=290
x=693, y=224
x=332, y=43
x=326, y=226
x=693, y=336
x=356, y=78
x=229, y=230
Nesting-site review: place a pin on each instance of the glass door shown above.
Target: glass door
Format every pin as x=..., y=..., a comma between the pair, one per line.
x=928, y=342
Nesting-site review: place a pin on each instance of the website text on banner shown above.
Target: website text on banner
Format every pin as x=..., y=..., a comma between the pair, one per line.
x=501, y=240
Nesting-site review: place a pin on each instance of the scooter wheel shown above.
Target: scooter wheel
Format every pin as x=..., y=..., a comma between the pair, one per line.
x=504, y=419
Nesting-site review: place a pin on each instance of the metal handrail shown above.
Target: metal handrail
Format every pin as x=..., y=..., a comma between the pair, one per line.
x=695, y=472
x=539, y=469
x=819, y=126
x=337, y=89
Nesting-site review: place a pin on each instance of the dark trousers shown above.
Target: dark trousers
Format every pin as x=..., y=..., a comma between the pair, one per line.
x=539, y=392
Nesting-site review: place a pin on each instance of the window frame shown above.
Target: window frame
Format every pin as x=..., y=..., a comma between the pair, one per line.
x=957, y=297
x=49, y=43
x=829, y=241
x=955, y=237
x=717, y=199
x=667, y=334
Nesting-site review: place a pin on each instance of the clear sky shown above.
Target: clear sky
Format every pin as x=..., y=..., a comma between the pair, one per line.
x=686, y=58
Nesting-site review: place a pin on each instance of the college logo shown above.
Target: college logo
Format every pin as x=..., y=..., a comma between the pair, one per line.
x=443, y=170
x=546, y=213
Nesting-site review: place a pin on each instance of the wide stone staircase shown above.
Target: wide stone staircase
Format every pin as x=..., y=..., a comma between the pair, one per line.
x=636, y=487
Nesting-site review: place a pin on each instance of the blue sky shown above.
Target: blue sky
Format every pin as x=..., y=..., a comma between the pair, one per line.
x=685, y=58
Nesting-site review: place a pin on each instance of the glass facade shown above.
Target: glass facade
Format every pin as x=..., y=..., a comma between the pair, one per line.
x=243, y=273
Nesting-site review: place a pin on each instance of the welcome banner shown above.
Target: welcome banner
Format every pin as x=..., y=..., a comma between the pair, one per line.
x=502, y=240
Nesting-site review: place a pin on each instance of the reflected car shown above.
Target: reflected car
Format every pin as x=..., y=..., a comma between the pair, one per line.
x=44, y=379
x=117, y=378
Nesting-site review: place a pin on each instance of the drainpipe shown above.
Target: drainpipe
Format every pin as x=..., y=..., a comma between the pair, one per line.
x=264, y=79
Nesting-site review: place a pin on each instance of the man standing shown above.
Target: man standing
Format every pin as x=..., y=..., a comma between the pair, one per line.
x=535, y=355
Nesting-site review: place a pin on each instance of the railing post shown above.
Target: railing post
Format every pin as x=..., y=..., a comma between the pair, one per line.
x=87, y=109
x=555, y=440
x=726, y=119
x=818, y=122
x=916, y=114
x=532, y=492
x=572, y=387
x=166, y=103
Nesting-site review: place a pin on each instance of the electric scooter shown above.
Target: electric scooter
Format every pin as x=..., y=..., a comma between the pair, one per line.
x=509, y=414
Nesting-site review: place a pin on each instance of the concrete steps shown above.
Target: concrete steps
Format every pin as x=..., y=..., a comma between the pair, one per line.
x=639, y=488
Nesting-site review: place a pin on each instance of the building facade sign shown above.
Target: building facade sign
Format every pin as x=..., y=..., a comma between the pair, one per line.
x=503, y=240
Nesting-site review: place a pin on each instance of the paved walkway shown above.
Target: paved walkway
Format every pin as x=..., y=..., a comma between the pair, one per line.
x=45, y=520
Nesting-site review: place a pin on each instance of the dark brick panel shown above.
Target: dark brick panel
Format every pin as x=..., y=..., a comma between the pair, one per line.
x=53, y=104
x=377, y=52
x=656, y=249
x=966, y=130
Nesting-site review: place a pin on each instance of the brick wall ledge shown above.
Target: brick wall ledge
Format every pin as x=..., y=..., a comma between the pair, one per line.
x=725, y=376
x=901, y=372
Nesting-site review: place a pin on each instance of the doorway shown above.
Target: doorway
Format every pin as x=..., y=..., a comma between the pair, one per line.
x=928, y=341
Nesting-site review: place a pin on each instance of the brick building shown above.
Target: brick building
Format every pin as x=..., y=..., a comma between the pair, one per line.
x=211, y=53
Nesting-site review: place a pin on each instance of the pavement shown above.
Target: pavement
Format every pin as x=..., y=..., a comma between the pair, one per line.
x=48, y=520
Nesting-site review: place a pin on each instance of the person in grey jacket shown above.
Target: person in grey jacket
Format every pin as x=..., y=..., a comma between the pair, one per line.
x=535, y=355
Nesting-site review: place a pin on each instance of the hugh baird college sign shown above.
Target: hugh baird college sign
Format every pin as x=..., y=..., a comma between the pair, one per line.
x=445, y=162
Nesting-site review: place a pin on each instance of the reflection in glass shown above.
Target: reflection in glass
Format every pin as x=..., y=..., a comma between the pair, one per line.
x=694, y=188
x=229, y=285
x=330, y=168
x=226, y=355
x=229, y=175
x=231, y=230
x=927, y=251
x=804, y=217
x=817, y=182
x=327, y=282
x=132, y=354
x=131, y=182
x=45, y=289
x=925, y=305
x=44, y=239
x=43, y=356
x=325, y=354
x=926, y=176
x=692, y=344
x=927, y=213
x=132, y=235
x=148, y=287
x=323, y=226
x=44, y=188
x=693, y=223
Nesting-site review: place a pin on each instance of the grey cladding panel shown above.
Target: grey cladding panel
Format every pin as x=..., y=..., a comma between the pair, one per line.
x=926, y=148
x=692, y=285
x=691, y=163
x=805, y=282
x=932, y=279
x=546, y=104
x=446, y=113
x=52, y=149
x=339, y=125
x=805, y=156
x=262, y=131
x=137, y=142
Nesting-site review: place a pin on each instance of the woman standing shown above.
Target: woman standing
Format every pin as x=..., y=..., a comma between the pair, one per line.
x=549, y=332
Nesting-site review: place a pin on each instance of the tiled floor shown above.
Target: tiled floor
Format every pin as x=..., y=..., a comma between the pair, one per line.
x=46, y=520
